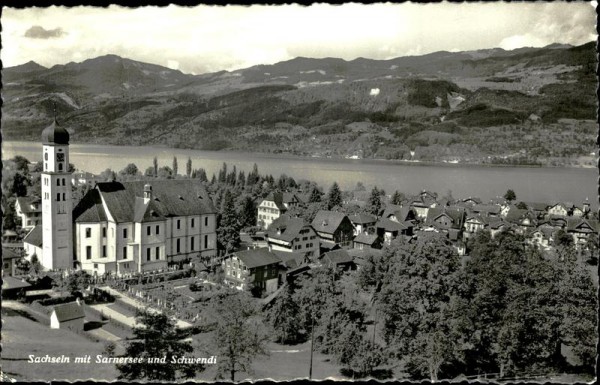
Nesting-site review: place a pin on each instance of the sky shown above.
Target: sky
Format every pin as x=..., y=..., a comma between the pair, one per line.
x=212, y=38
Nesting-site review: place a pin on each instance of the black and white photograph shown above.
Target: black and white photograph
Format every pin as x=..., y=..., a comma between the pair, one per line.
x=229, y=193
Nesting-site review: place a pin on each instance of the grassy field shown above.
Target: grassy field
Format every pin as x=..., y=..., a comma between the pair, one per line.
x=22, y=337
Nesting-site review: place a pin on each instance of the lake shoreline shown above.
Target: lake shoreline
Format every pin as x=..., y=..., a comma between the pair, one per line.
x=272, y=155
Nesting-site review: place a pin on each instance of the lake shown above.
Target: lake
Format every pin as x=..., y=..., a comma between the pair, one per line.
x=529, y=183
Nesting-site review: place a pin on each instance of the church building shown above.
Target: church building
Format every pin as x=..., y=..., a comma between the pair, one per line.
x=118, y=228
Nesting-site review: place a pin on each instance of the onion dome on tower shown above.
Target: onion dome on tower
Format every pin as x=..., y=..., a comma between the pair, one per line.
x=55, y=134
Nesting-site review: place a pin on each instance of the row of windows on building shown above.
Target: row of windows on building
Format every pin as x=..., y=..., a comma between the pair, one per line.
x=88, y=230
x=260, y=216
x=88, y=249
x=299, y=247
x=267, y=210
x=59, y=181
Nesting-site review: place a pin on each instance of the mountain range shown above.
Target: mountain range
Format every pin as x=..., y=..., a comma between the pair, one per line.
x=445, y=106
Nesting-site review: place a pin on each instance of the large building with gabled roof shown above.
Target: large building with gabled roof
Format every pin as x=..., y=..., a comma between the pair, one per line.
x=129, y=227
x=118, y=228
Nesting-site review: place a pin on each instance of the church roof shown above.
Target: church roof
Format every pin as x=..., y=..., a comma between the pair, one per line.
x=90, y=209
x=170, y=198
x=34, y=237
x=55, y=134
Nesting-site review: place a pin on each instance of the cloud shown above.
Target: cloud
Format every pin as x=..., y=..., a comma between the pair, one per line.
x=37, y=32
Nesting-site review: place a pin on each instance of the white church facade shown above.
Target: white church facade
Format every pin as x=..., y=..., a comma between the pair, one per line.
x=118, y=228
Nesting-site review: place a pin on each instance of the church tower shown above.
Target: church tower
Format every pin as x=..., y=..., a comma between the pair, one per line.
x=57, y=210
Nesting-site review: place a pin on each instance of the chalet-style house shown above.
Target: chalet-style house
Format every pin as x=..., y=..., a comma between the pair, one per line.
x=582, y=230
x=255, y=268
x=422, y=203
x=333, y=228
x=132, y=227
x=292, y=235
x=388, y=230
x=449, y=220
x=273, y=206
x=29, y=211
x=68, y=316
x=362, y=222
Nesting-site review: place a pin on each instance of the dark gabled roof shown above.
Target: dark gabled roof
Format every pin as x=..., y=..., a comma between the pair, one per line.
x=26, y=202
x=364, y=238
x=486, y=209
x=9, y=254
x=495, y=223
x=477, y=218
x=146, y=211
x=389, y=225
x=257, y=257
x=280, y=199
x=288, y=227
x=337, y=257
x=515, y=214
x=537, y=206
x=456, y=214
x=390, y=209
x=575, y=223
x=170, y=198
x=90, y=209
x=362, y=218
x=327, y=221
x=69, y=311
x=35, y=236
x=290, y=260
x=475, y=200
x=11, y=283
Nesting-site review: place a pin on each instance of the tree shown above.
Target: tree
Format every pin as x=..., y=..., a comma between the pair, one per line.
x=35, y=267
x=247, y=212
x=238, y=336
x=415, y=301
x=108, y=175
x=188, y=167
x=165, y=172
x=398, y=197
x=315, y=196
x=155, y=165
x=374, y=203
x=579, y=310
x=75, y=282
x=522, y=206
x=157, y=337
x=334, y=197
x=284, y=317
x=149, y=172
x=228, y=230
x=253, y=176
x=175, y=168
x=129, y=170
x=510, y=195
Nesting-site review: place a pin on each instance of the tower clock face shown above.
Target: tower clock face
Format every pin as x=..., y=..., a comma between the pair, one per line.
x=60, y=157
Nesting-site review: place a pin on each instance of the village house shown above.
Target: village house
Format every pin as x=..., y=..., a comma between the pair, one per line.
x=540, y=209
x=399, y=213
x=333, y=228
x=132, y=227
x=255, y=268
x=10, y=258
x=582, y=230
x=422, y=203
x=449, y=220
x=388, y=230
x=292, y=264
x=559, y=209
x=273, y=206
x=338, y=259
x=543, y=237
x=13, y=288
x=362, y=222
x=68, y=316
x=366, y=241
x=29, y=211
x=474, y=224
x=292, y=235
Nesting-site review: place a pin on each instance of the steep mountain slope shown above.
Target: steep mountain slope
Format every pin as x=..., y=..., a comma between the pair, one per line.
x=440, y=106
